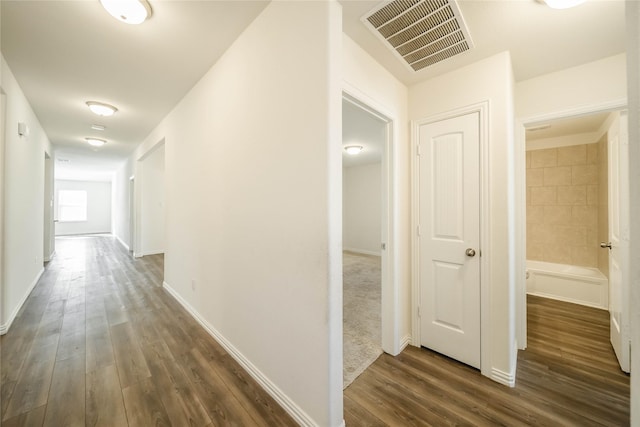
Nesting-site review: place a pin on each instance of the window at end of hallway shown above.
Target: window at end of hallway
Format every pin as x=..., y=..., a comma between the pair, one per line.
x=72, y=205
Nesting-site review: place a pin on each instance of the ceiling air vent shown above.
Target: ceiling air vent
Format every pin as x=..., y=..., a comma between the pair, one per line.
x=420, y=32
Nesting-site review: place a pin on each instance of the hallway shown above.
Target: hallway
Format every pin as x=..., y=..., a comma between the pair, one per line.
x=99, y=342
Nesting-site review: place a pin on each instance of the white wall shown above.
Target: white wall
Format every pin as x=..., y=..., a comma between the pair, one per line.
x=492, y=80
x=152, y=204
x=98, y=208
x=362, y=205
x=633, y=49
x=253, y=207
x=369, y=82
x=121, y=219
x=23, y=200
x=570, y=91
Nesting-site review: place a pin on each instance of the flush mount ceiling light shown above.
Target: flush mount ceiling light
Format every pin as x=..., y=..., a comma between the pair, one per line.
x=97, y=127
x=128, y=11
x=353, y=149
x=562, y=4
x=101, y=109
x=96, y=142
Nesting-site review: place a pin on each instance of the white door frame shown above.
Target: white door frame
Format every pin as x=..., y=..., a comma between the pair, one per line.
x=49, y=230
x=482, y=109
x=390, y=309
x=521, y=199
x=132, y=214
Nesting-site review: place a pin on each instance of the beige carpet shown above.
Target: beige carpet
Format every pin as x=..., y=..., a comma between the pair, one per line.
x=361, y=313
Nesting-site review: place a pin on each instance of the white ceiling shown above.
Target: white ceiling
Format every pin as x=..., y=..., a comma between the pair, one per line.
x=571, y=126
x=541, y=40
x=65, y=53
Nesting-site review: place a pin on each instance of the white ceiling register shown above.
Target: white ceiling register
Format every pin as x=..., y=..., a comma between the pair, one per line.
x=420, y=32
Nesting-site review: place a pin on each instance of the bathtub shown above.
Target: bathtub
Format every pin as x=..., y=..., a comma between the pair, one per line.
x=579, y=285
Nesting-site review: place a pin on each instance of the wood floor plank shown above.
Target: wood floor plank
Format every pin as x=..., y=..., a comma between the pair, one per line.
x=32, y=388
x=132, y=366
x=143, y=405
x=105, y=405
x=99, y=350
x=182, y=405
x=33, y=418
x=223, y=408
x=66, y=404
x=263, y=408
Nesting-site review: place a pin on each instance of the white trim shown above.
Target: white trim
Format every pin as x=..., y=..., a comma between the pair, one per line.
x=390, y=303
x=122, y=242
x=583, y=110
x=151, y=252
x=404, y=342
x=483, y=109
x=4, y=328
x=362, y=251
x=50, y=256
x=283, y=400
x=502, y=377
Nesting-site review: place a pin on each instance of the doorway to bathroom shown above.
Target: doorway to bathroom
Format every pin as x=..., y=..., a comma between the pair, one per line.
x=575, y=249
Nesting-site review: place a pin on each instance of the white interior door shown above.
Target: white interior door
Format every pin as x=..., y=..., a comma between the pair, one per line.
x=449, y=237
x=618, y=162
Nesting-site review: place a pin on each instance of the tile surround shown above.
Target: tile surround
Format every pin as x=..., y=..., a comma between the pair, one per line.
x=562, y=204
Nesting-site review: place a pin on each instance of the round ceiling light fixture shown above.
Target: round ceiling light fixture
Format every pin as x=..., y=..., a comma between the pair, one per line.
x=128, y=11
x=353, y=149
x=95, y=142
x=101, y=108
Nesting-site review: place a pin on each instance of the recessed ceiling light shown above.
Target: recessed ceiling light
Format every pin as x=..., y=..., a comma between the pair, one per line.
x=353, y=149
x=563, y=4
x=101, y=108
x=128, y=11
x=97, y=127
x=96, y=142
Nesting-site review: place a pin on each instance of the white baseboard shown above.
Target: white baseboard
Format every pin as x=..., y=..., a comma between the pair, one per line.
x=4, y=328
x=298, y=414
x=50, y=256
x=503, y=377
x=152, y=252
x=122, y=243
x=362, y=251
x=404, y=342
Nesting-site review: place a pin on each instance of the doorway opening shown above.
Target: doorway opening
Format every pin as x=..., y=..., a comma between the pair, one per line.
x=367, y=240
x=149, y=202
x=132, y=215
x=48, y=226
x=572, y=210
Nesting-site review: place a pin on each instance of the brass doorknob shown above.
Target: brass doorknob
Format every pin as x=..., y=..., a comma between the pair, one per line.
x=470, y=252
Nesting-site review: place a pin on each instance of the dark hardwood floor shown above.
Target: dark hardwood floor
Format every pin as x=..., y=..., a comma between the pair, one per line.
x=100, y=343
x=568, y=376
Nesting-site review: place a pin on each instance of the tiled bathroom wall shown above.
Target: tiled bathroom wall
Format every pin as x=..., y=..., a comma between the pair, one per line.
x=562, y=205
